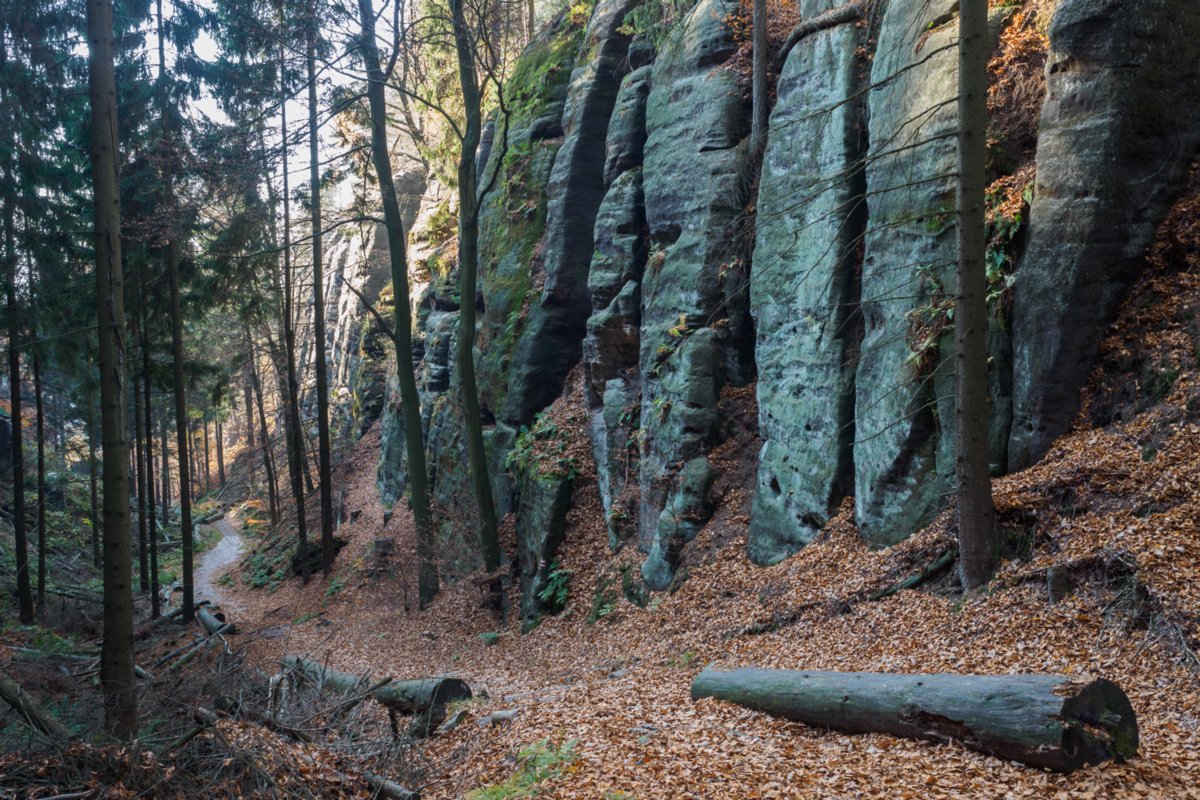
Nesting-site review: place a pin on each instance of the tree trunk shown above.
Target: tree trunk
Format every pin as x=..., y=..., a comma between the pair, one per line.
x=468, y=263
x=220, y=454
x=409, y=697
x=1056, y=722
x=249, y=428
x=759, y=110
x=116, y=658
x=410, y=400
x=296, y=460
x=95, y=495
x=324, y=461
x=207, y=461
x=268, y=459
x=24, y=594
x=148, y=428
x=139, y=438
x=177, y=356
x=978, y=541
x=40, y=427
x=214, y=621
x=166, y=470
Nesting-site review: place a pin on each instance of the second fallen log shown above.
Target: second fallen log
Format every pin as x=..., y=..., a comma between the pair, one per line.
x=214, y=621
x=409, y=697
x=1057, y=722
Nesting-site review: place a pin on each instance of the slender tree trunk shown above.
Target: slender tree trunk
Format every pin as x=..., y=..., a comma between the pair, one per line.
x=468, y=265
x=249, y=429
x=144, y=514
x=93, y=470
x=177, y=355
x=296, y=459
x=268, y=459
x=193, y=463
x=418, y=475
x=24, y=594
x=759, y=111
x=166, y=470
x=148, y=428
x=529, y=21
x=40, y=406
x=116, y=657
x=207, y=461
x=979, y=545
x=220, y=454
x=324, y=461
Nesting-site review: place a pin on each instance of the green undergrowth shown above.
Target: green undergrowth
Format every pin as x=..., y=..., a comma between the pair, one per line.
x=541, y=451
x=540, y=762
x=266, y=565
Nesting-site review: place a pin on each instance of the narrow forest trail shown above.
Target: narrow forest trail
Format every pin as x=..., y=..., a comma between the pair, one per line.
x=216, y=561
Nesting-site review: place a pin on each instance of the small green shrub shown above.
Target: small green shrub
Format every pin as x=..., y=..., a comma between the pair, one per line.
x=554, y=593
x=541, y=451
x=604, y=601
x=536, y=764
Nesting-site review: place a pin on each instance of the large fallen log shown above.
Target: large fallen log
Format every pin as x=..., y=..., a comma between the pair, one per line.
x=1053, y=721
x=409, y=697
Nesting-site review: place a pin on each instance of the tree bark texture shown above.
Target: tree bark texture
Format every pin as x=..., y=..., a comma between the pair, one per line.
x=116, y=655
x=1056, y=722
x=468, y=266
x=409, y=697
x=978, y=539
x=324, y=459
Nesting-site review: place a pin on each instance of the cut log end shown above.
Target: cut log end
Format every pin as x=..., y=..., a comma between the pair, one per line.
x=1099, y=723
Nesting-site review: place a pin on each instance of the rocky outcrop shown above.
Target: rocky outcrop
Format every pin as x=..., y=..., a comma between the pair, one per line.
x=616, y=234
x=904, y=391
x=1119, y=130
x=611, y=348
x=550, y=344
x=541, y=525
x=804, y=289
x=356, y=259
x=694, y=182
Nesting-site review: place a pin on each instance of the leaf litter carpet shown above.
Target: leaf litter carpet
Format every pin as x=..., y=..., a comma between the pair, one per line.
x=1113, y=509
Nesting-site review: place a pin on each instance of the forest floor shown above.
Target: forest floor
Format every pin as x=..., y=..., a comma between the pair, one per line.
x=602, y=690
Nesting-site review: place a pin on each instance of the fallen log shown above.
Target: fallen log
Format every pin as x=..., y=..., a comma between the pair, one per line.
x=1057, y=722
x=23, y=704
x=409, y=697
x=213, y=621
x=382, y=787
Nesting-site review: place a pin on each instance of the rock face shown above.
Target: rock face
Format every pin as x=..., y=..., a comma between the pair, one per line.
x=694, y=183
x=550, y=343
x=612, y=377
x=904, y=390
x=357, y=263
x=541, y=524
x=804, y=290
x=1119, y=130
x=615, y=235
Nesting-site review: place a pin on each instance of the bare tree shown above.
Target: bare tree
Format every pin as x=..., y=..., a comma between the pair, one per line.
x=401, y=331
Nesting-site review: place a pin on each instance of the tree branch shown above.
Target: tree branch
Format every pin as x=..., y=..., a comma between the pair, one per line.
x=851, y=12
